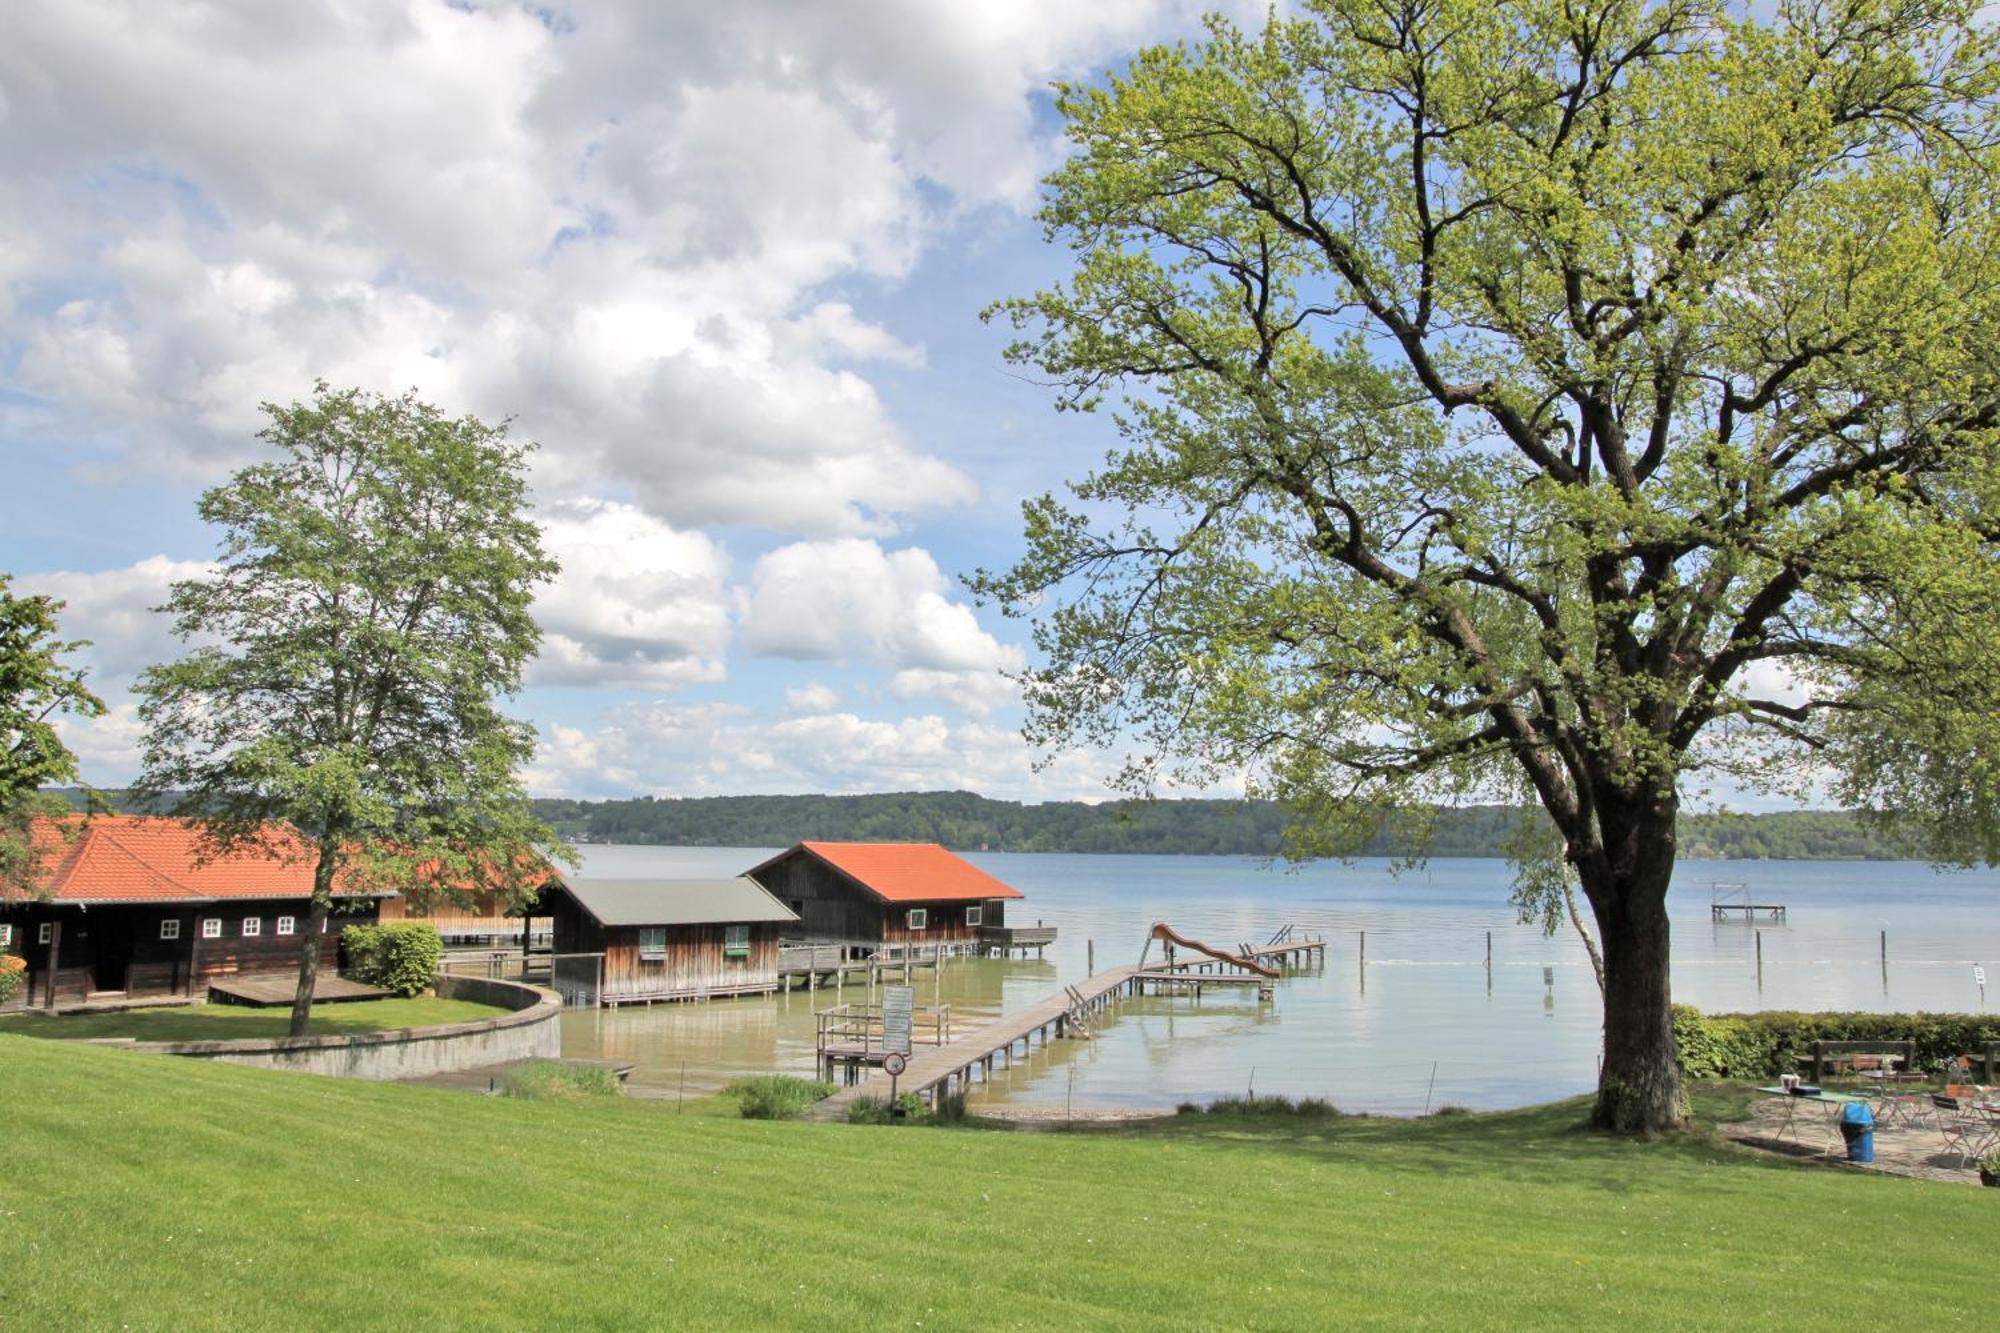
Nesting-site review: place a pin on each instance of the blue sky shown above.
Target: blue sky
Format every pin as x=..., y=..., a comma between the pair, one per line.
x=724, y=263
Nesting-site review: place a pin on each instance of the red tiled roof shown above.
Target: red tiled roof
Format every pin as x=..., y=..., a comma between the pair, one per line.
x=910, y=872
x=144, y=858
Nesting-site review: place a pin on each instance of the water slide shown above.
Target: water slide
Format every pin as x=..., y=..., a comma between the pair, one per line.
x=1163, y=931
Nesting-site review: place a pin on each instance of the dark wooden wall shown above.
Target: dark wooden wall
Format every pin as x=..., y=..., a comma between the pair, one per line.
x=830, y=905
x=694, y=965
x=118, y=946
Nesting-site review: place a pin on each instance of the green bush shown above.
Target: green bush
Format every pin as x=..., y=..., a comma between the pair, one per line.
x=399, y=956
x=553, y=1080
x=776, y=1096
x=868, y=1111
x=1274, y=1104
x=1767, y=1044
x=905, y=1109
x=13, y=971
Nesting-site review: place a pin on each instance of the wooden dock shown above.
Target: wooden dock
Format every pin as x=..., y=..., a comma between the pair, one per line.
x=272, y=991
x=939, y=1070
x=1732, y=902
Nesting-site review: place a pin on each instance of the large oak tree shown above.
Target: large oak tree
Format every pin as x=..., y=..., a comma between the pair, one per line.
x=1577, y=399
x=369, y=612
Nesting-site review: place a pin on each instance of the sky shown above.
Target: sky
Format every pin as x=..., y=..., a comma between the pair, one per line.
x=723, y=263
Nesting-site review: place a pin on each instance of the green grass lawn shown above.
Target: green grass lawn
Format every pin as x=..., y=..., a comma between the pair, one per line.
x=155, y=1193
x=221, y=1022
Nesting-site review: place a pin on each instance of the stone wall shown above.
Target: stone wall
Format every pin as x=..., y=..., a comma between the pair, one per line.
x=530, y=1031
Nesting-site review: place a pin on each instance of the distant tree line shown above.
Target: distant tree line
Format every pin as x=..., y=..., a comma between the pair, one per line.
x=968, y=822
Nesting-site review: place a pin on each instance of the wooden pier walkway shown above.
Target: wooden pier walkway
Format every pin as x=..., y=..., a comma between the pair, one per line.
x=934, y=1070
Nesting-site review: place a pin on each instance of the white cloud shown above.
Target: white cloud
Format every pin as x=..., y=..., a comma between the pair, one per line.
x=812, y=697
x=850, y=600
x=637, y=603
x=673, y=748
x=114, y=610
x=620, y=224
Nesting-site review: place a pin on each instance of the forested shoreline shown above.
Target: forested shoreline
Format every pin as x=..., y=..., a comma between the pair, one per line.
x=968, y=822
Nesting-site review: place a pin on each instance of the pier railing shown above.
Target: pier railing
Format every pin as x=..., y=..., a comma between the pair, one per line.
x=859, y=1027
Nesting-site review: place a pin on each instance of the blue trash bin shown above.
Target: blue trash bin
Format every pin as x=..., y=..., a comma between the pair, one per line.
x=1857, y=1126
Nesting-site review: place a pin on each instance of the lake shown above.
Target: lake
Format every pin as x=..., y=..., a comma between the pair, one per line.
x=1425, y=1022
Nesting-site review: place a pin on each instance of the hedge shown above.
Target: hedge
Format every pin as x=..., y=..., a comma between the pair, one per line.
x=13, y=971
x=399, y=956
x=1764, y=1045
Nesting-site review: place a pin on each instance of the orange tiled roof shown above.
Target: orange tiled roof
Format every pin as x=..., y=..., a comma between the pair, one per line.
x=145, y=858
x=910, y=872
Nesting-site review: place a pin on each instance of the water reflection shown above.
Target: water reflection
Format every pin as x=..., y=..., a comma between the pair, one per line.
x=1428, y=1016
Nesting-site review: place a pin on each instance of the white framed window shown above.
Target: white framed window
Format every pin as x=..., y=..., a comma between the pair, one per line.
x=6, y=934
x=170, y=929
x=652, y=944
x=974, y=915
x=920, y=918
x=46, y=933
x=211, y=927
x=736, y=941
x=252, y=925
x=288, y=925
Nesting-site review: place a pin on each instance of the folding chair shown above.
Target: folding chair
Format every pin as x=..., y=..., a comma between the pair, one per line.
x=1968, y=1132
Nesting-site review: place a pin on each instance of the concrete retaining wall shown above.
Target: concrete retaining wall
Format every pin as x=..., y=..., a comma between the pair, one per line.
x=530, y=1031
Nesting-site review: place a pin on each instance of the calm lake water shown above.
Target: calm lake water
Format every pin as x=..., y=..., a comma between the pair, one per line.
x=1423, y=1021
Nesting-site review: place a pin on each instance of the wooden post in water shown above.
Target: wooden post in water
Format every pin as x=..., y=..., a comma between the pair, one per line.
x=1364, y=948
x=1760, y=960
x=1090, y=953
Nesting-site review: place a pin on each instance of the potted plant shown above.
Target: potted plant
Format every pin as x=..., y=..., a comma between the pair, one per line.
x=1989, y=1168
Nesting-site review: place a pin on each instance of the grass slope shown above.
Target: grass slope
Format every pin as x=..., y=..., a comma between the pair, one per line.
x=223, y=1022
x=150, y=1192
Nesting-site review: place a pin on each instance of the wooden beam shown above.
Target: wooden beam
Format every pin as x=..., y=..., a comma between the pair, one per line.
x=55, y=963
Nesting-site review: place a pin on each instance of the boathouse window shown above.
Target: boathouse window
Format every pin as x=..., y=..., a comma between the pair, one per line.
x=6, y=935
x=288, y=925
x=46, y=933
x=920, y=918
x=253, y=925
x=653, y=944
x=170, y=930
x=736, y=941
x=211, y=927
x=973, y=915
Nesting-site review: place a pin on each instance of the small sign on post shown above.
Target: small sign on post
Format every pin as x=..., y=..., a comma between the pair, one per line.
x=893, y=1064
x=899, y=1005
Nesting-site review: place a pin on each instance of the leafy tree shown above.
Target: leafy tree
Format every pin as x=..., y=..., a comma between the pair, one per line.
x=1562, y=402
x=35, y=688
x=370, y=606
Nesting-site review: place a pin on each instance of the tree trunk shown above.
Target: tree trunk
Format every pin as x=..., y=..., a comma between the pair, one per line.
x=1639, y=1091
x=315, y=937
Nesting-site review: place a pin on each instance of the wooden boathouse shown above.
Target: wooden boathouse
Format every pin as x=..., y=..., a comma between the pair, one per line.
x=635, y=941
x=134, y=911
x=863, y=896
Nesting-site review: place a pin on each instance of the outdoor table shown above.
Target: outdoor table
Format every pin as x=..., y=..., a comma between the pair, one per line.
x=1832, y=1101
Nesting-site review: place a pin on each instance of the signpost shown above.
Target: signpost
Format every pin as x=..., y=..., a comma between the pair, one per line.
x=899, y=1005
x=893, y=1064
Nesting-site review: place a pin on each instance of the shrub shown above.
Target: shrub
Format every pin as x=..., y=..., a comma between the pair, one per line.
x=1766, y=1044
x=554, y=1080
x=399, y=956
x=776, y=1096
x=1273, y=1104
x=875, y=1111
x=1449, y=1110
x=13, y=971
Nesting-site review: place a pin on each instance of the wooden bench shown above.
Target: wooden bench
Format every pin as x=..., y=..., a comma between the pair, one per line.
x=1828, y=1057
